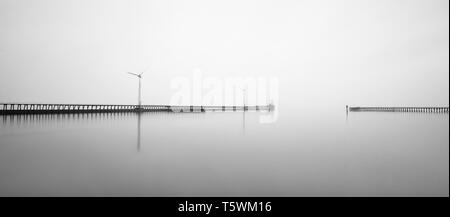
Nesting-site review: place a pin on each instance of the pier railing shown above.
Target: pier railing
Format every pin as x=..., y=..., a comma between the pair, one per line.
x=24, y=108
x=400, y=109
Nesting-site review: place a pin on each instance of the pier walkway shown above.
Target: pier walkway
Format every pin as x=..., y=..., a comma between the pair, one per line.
x=399, y=109
x=23, y=108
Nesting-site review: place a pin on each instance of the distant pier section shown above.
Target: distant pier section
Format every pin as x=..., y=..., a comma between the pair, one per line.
x=399, y=109
x=22, y=108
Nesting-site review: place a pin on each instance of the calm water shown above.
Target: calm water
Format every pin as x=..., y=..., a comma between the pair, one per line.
x=311, y=153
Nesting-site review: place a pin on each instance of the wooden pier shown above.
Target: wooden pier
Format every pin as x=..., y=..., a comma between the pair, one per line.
x=399, y=109
x=23, y=108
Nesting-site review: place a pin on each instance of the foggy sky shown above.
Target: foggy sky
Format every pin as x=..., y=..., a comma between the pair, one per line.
x=324, y=52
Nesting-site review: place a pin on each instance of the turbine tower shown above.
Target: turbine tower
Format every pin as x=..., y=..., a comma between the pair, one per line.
x=244, y=96
x=139, y=94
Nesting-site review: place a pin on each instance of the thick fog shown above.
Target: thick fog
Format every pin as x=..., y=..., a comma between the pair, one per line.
x=323, y=53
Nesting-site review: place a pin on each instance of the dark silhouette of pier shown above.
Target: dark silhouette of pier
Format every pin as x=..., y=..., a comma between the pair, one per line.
x=24, y=108
x=398, y=109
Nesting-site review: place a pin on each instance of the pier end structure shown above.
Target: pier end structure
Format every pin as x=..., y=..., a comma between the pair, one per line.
x=400, y=109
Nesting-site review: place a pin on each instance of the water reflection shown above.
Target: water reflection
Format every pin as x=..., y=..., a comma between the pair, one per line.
x=32, y=119
x=399, y=114
x=243, y=122
x=139, y=132
x=16, y=123
x=224, y=154
x=346, y=115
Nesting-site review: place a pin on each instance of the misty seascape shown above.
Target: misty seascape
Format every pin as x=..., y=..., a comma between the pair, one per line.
x=280, y=98
x=225, y=154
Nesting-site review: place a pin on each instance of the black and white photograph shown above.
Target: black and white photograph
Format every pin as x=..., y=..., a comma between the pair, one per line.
x=224, y=99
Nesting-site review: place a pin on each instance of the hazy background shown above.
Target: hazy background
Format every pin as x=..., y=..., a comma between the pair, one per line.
x=325, y=54
x=377, y=52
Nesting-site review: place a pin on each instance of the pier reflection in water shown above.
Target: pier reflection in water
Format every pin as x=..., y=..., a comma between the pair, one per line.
x=326, y=153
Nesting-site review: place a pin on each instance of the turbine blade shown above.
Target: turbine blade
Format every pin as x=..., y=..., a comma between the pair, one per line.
x=133, y=74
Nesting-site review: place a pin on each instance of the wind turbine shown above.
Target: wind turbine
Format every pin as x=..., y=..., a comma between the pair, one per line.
x=139, y=76
x=244, y=96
